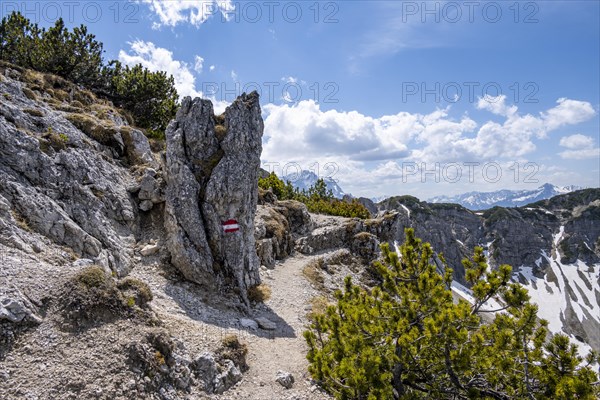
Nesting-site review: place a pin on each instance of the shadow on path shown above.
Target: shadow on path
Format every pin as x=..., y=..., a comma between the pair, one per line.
x=204, y=304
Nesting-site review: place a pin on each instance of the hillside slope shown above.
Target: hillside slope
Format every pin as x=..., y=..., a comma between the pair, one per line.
x=553, y=246
x=80, y=186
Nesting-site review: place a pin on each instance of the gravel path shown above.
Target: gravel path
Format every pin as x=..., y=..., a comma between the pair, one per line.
x=49, y=363
x=285, y=349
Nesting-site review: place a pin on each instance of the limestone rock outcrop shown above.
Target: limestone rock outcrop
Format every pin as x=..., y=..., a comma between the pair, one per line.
x=552, y=245
x=273, y=236
x=278, y=224
x=57, y=181
x=212, y=169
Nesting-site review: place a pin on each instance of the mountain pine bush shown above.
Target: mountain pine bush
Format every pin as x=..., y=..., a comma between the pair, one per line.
x=407, y=338
x=151, y=97
x=318, y=198
x=283, y=191
x=76, y=55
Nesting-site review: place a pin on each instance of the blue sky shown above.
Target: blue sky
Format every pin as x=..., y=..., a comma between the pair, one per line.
x=389, y=97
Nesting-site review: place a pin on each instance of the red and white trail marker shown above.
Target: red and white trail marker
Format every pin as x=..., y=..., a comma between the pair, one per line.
x=231, y=226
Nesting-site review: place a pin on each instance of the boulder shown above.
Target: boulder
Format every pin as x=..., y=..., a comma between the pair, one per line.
x=266, y=196
x=297, y=215
x=216, y=377
x=146, y=205
x=366, y=246
x=137, y=147
x=17, y=309
x=151, y=187
x=266, y=324
x=212, y=168
x=273, y=238
x=149, y=250
x=339, y=234
x=285, y=379
x=229, y=376
x=248, y=323
x=206, y=370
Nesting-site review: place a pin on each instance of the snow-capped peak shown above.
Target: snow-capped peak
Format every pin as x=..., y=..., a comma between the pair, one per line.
x=305, y=179
x=505, y=197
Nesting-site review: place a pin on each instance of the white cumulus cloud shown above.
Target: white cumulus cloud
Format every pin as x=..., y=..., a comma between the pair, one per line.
x=305, y=131
x=289, y=79
x=195, y=12
x=577, y=141
x=370, y=149
x=496, y=105
x=305, y=128
x=159, y=59
x=568, y=112
x=198, y=64
x=581, y=154
x=580, y=147
x=511, y=139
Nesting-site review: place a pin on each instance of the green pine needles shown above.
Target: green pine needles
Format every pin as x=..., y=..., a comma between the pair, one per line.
x=318, y=198
x=407, y=338
x=150, y=97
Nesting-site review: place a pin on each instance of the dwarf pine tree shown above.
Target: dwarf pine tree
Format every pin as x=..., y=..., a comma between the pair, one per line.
x=19, y=40
x=318, y=198
x=407, y=338
x=283, y=191
x=150, y=97
x=320, y=191
x=74, y=55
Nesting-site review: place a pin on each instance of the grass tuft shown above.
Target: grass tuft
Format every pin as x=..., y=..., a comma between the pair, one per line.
x=259, y=293
x=235, y=350
x=313, y=272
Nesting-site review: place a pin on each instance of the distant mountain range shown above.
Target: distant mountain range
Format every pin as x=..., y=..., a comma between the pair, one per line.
x=505, y=197
x=306, y=179
x=470, y=200
x=553, y=246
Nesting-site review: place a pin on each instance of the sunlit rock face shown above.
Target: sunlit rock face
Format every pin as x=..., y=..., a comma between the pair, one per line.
x=212, y=170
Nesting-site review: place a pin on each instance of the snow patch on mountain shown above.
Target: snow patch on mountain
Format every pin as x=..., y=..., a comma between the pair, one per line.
x=406, y=209
x=566, y=291
x=492, y=305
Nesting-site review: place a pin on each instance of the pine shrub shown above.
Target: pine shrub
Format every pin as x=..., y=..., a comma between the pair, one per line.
x=407, y=338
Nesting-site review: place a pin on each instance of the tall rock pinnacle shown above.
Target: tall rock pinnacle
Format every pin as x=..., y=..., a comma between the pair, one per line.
x=212, y=172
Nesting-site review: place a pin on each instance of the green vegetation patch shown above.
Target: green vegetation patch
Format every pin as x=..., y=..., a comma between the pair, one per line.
x=102, y=132
x=313, y=272
x=318, y=198
x=495, y=214
x=57, y=60
x=136, y=291
x=92, y=296
x=407, y=338
x=232, y=348
x=54, y=141
x=34, y=112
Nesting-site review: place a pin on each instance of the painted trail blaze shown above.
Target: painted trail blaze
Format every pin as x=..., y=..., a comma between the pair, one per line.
x=231, y=226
